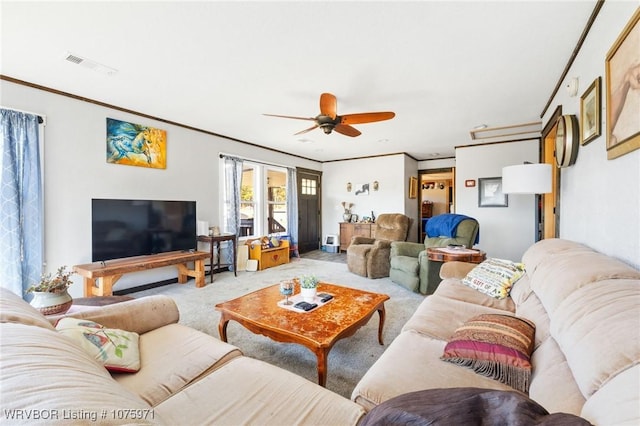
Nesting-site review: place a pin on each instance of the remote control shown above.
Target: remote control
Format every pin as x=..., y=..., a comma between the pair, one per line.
x=305, y=306
x=325, y=297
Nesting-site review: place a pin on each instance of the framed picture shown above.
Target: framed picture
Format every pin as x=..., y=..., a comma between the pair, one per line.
x=136, y=145
x=413, y=187
x=490, y=193
x=590, y=113
x=622, y=68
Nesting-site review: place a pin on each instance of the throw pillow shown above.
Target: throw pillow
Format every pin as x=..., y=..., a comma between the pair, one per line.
x=494, y=277
x=116, y=349
x=495, y=346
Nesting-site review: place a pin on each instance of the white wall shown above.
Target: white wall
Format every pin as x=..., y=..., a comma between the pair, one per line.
x=600, y=198
x=391, y=197
x=76, y=171
x=505, y=232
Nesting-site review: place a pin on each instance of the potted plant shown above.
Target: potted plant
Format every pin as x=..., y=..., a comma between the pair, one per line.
x=308, y=288
x=50, y=295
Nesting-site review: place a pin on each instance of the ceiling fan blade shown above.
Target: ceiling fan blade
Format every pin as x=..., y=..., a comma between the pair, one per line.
x=347, y=130
x=328, y=105
x=289, y=116
x=366, y=117
x=306, y=130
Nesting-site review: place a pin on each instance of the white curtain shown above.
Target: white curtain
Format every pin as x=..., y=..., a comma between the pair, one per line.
x=21, y=214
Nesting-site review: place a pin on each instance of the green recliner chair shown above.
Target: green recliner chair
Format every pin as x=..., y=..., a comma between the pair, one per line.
x=409, y=265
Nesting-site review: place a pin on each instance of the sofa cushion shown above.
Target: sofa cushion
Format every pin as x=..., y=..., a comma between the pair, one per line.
x=558, y=277
x=14, y=309
x=116, y=349
x=621, y=392
x=597, y=329
x=533, y=310
x=434, y=318
x=496, y=346
x=247, y=391
x=455, y=290
x=411, y=363
x=171, y=358
x=139, y=315
x=44, y=373
x=551, y=371
x=494, y=277
x=545, y=250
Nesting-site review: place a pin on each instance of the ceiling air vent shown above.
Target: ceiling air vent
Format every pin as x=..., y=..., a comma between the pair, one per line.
x=88, y=63
x=74, y=59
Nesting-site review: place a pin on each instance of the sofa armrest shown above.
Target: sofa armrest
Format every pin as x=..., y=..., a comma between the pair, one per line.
x=406, y=248
x=362, y=240
x=456, y=269
x=138, y=315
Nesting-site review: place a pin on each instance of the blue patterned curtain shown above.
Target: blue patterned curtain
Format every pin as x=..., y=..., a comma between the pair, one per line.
x=232, y=180
x=292, y=209
x=21, y=214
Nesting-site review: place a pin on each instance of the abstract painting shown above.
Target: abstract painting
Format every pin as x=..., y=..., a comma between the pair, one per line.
x=136, y=145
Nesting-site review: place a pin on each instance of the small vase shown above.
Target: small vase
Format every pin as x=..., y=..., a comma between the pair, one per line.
x=346, y=217
x=49, y=303
x=309, y=294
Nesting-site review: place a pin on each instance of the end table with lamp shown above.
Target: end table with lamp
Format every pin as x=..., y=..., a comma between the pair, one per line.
x=216, y=241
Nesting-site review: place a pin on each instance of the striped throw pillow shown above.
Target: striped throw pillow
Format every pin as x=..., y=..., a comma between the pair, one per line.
x=495, y=346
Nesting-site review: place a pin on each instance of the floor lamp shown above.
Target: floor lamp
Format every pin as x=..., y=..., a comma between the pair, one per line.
x=528, y=178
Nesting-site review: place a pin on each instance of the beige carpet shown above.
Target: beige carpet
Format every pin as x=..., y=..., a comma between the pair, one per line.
x=349, y=359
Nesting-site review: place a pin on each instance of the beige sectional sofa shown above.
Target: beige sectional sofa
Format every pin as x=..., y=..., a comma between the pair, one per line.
x=586, y=308
x=186, y=377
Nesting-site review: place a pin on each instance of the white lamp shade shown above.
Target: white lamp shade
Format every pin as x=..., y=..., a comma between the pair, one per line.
x=526, y=179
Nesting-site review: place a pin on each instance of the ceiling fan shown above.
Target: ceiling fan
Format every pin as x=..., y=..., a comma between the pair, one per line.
x=329, y=120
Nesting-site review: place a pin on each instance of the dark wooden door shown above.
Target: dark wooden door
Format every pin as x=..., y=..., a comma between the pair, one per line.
x=308, y=210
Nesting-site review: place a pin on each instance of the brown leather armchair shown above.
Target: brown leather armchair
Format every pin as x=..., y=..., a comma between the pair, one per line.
x=369, y=257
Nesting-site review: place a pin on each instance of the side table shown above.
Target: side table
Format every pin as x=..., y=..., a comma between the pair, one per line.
x=215, y=241
x=436, y=256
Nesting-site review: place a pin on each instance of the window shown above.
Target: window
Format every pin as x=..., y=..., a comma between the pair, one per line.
x=308, y=186
x=263, y=200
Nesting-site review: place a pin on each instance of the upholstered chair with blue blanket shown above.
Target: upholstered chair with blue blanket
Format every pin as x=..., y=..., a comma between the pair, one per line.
x=409, y=265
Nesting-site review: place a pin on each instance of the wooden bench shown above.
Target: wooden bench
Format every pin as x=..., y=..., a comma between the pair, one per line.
x=99, y=277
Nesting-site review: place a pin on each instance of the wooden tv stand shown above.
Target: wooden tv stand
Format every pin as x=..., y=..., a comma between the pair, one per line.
x=99, y=277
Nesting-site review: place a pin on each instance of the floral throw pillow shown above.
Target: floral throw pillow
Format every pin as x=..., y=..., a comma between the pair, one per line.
x=494, y=277
x=116, y=349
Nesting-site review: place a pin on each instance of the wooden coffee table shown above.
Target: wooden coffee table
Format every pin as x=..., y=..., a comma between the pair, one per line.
x=317, y=330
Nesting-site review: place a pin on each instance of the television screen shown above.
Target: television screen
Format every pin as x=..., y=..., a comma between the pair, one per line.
x=124, y=228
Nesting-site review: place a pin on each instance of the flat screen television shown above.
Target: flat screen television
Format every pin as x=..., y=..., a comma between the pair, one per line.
x=124, y=228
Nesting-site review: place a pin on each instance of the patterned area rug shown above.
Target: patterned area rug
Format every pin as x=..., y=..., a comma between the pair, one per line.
x=349, y=359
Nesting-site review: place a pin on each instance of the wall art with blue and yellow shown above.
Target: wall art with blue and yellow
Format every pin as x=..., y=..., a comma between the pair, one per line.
x=136, y=145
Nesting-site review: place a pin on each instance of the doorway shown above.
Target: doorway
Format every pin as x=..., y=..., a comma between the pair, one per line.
x=309, y=195
x=436, y=195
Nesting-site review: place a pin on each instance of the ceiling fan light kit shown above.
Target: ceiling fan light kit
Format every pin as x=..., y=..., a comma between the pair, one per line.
x=328, y=120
